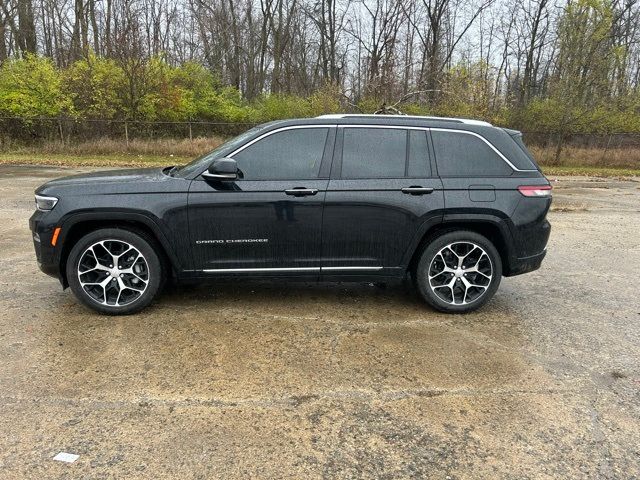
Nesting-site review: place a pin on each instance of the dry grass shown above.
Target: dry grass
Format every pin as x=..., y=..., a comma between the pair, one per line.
x=120, y=160
x=605, y=172
x=568, y=207
x=107, y=152
x=628, y=157
x=108, y=146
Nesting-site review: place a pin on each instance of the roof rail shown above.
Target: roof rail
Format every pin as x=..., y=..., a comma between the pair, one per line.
x=468, y=121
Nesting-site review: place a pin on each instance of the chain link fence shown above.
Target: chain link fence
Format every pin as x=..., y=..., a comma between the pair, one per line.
x=614, y=149
x=69, y=130
x=610, y=150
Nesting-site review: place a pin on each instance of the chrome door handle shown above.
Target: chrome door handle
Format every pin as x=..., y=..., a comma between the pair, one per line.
x=417, y=190
x=301, y=191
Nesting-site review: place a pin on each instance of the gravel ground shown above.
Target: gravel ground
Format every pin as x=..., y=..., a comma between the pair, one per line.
x=272, y=380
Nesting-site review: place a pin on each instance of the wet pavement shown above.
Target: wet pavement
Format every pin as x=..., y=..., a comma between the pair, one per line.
x=273, y=380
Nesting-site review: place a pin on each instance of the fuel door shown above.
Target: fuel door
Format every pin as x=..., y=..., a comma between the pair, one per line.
x=482, y=193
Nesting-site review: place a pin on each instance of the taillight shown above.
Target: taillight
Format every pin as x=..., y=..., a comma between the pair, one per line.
x=535, y=190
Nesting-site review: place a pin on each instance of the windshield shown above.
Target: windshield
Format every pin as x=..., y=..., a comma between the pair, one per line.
x=218, y=152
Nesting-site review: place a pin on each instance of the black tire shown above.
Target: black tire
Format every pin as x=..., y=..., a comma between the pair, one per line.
x=94, y=296
x=468, y=298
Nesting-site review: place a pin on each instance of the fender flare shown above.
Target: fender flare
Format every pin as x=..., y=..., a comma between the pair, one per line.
x=435, y=223
x=107, y=215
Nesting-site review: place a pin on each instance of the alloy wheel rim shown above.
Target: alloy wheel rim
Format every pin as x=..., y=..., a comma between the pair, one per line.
x=113, y=273
x=460, y=273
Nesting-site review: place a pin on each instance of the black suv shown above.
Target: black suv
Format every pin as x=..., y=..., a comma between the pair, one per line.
x=455, y=203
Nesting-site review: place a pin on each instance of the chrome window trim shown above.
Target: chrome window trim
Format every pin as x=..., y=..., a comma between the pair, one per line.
x=396, y=127
x=271, y=132
x=401, y=127
x=453, y=130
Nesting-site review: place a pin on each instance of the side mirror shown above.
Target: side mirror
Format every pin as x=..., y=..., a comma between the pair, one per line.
x=222, y=169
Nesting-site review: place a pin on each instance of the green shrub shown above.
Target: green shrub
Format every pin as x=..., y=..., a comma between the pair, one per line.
x=32, y=87
x=154, y=90
x=93, y=85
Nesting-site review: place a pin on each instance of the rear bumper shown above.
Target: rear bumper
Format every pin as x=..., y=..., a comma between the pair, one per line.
x=522, y=265
x=531, y=233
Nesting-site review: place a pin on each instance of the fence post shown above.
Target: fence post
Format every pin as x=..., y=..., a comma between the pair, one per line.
x=556, y=158
x=606, y=150
x=126, y=133
x=60, y=130
x=190, y=133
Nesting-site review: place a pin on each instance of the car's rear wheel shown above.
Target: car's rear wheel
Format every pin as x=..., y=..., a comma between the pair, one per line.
x=458, y=272
x=115, y=271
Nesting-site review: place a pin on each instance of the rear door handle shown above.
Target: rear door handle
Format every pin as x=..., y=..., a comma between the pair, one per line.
x=301, y=191
x=417, y=190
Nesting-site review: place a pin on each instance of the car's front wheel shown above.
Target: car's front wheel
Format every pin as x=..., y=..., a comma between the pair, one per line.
x=458, y=272
x=114, y=271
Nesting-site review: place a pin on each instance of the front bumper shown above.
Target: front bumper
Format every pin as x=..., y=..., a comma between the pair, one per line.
x=47, y=255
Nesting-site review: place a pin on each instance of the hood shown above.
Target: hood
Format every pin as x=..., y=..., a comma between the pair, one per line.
x=109, y=176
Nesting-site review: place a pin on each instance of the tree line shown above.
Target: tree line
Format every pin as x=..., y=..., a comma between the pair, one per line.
x=561, y=66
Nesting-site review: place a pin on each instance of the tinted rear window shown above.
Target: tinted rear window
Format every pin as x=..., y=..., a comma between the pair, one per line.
x=518, y=139
x=385, y=153
x=463, y=155
x=374, y=153
x=418, y=160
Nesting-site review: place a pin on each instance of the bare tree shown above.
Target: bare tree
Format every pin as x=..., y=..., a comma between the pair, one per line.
x=518, y=50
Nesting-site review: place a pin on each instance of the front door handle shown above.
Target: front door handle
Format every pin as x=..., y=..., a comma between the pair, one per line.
x=301, y=191
x=417, y=190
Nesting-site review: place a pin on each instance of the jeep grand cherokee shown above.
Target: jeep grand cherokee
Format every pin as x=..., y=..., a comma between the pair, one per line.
x=455, y=203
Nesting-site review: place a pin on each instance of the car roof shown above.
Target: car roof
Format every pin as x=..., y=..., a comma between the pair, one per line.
x=390, y=120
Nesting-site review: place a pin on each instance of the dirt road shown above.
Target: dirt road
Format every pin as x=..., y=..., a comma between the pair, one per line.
x=332, y=381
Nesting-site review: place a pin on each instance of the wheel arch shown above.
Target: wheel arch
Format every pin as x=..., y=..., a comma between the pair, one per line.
x=493, y=228
x=79, y=225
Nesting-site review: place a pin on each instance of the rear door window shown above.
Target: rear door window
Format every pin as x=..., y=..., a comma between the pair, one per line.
x=418, y=159
x=460, y=154
x=374, y=153
x=384, y=153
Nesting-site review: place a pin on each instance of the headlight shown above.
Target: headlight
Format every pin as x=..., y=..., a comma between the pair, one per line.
x=45, y=203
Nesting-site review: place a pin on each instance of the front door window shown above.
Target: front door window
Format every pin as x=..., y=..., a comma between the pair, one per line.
x=293, y=154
